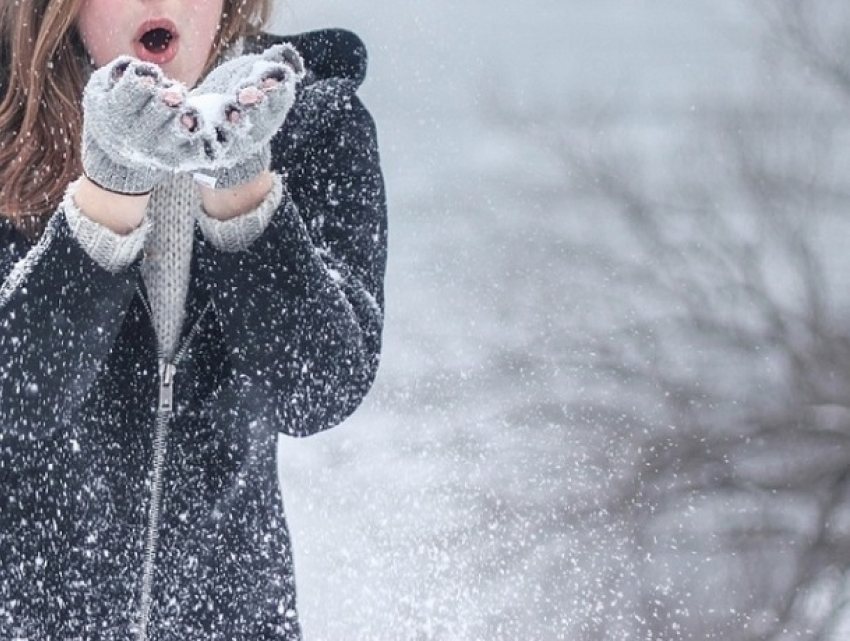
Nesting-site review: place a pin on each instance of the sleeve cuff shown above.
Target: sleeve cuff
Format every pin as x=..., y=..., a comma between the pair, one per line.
x=114, y=252
x=238, y=233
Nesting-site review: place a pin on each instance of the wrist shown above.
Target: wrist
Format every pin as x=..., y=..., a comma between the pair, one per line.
x=110, y=175
x=224, y=204
x=121, y=213
x=244, y=171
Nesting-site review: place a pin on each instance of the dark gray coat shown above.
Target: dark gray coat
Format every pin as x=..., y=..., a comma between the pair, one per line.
x=283, y=337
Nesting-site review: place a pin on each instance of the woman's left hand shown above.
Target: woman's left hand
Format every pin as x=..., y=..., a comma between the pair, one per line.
x=238, y=108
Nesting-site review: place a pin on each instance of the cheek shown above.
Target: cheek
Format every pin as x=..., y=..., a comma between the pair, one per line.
x=206, y=17
x=99, y=36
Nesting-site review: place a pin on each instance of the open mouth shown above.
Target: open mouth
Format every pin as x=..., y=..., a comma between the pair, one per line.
x=156, y=41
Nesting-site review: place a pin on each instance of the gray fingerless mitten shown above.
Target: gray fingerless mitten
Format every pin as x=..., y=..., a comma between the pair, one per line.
x=132, y=134
x=240, y=106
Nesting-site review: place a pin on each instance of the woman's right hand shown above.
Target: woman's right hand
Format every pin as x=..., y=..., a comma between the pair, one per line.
x=136, y=126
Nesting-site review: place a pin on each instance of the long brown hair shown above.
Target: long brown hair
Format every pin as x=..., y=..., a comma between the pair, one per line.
x=43, y=70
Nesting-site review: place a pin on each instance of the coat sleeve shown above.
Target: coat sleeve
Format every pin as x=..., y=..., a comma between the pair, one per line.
x=59, y=315
x=302, y=307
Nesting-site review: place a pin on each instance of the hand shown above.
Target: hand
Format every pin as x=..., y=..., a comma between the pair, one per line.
x=238, y=108
x=136, y=127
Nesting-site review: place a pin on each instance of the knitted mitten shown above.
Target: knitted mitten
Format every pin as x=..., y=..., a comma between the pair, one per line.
x=239, y=107
x=135, y=126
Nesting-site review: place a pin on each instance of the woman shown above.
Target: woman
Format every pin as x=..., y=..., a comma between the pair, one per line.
x=192, y=252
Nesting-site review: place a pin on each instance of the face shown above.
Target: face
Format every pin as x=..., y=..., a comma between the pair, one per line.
x=177, y=35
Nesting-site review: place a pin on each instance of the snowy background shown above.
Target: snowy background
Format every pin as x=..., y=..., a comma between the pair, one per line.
x=467, y=499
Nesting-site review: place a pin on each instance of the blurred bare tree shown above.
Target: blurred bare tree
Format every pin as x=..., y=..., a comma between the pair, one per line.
x=725, y=264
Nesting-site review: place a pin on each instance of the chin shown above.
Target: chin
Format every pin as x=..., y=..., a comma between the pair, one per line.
x=179, y=75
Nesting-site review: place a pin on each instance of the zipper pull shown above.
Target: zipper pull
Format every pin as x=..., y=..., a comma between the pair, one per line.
x=166, y=385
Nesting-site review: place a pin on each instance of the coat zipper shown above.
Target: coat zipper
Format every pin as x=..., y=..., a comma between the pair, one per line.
x=165, y=409
x=160, y=444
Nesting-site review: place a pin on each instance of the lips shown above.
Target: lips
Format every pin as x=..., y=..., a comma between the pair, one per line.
x=157, y=41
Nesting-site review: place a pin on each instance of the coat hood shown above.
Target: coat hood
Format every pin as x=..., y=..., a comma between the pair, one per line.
x=329, y=54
